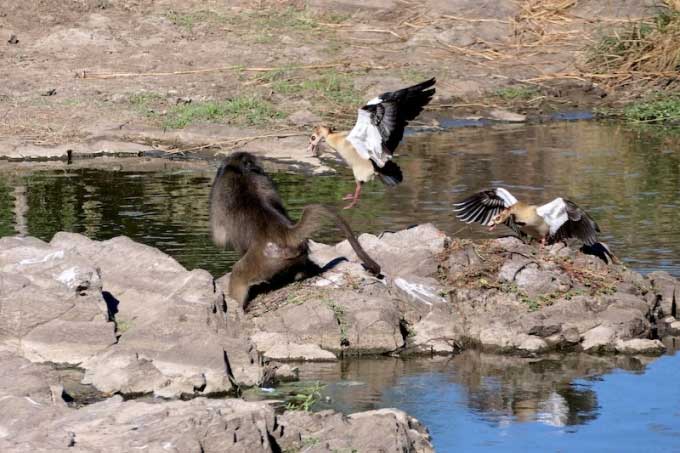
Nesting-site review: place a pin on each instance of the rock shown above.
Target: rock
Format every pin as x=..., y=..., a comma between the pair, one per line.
x=275, y=346
x=640, y=346
x=65, y=341
x=532, y=279
x=36, y=418
x=668, y=326
x=437, y=296
x=335, y=320
x=51, y=307
x=327, y=431
x=507, y=116
x=425, y=290
x=406, y=252
x=667, y=290
x=187, y=426
x=62, y=302
x=533, y=345
x=284, y=372
x=598, y=339
x=560, y=295
x=304, y=118
x=674, y=328
x=435, y=332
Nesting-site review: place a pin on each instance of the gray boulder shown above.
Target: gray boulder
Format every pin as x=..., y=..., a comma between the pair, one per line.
x=35, y=418
x=51, y=303
x=130, y=315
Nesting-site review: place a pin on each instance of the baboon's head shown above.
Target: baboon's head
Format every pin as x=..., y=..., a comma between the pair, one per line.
x=244, y=163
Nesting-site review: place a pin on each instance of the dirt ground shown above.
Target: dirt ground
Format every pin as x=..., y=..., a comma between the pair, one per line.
x=92, y=76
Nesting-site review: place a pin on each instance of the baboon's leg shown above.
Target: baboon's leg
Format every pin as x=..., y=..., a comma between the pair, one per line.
x=253, y=268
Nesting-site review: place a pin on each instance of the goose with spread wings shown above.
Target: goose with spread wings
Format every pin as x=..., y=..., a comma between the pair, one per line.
x=558, y=220
x=368, y=148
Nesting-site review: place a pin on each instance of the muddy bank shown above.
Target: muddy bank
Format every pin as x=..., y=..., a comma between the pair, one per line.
x=256, y=78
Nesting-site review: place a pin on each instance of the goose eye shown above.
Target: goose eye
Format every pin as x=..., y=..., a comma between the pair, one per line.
x=313, y=137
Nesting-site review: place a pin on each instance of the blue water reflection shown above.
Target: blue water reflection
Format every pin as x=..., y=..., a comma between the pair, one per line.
x=478, y=403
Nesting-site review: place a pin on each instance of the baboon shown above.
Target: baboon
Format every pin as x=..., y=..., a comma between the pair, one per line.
x=247, y=212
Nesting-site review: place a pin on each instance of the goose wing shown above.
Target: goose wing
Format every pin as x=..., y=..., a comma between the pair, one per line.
x=381, y=122
x=567, y=220
x=484, y=206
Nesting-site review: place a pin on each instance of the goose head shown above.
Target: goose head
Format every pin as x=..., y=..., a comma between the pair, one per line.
x=500, y=218
x=319, y=134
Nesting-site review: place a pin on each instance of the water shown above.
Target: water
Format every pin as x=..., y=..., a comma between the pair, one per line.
x=476, y=402
x=628, y=180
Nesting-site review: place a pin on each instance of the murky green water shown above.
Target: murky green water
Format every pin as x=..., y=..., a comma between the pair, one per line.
x=628, y=180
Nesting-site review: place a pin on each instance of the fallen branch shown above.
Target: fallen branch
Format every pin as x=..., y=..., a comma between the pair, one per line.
x=237, y=141
x=114, y=75
x=489, y=54
x=589, y=75
x=474, y=19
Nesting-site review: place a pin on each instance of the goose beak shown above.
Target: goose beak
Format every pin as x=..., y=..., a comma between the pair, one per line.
x=314, y=145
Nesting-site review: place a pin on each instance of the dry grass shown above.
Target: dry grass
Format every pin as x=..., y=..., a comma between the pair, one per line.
x=647, y=49
x=531, y=26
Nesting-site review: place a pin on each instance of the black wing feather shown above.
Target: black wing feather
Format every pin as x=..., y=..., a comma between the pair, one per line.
x=579, y=225
x=398, y=108
x=479, y=207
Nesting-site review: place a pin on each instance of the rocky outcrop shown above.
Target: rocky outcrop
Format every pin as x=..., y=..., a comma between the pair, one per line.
x=131, y=316
x=439, y=295
x=36, y=418
x=508, y=296
x=137, y=322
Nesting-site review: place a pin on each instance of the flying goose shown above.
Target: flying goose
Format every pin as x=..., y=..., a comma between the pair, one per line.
x=369, y=146
x=560, y=219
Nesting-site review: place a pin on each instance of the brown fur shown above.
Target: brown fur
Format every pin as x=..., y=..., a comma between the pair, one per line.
x=247, y=212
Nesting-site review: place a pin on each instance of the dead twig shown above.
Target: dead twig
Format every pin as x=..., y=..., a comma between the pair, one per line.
x=474, y=19
x=237, y=141
x=114, y=75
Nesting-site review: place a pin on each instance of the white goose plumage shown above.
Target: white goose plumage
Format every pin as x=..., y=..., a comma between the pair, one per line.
x=369, y=146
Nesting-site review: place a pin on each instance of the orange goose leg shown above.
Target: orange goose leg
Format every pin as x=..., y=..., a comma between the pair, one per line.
x=354, y=197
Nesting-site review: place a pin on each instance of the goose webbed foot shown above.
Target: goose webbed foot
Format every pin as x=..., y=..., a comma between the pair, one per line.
x=352, y=204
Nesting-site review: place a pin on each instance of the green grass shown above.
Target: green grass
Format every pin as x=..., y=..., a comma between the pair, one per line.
x=335, y=87
x=341, y=317
x=305, y=398
x=122, y=325
x=414, y=75
x=516, y=93
x=658, y=110
x=243, y=110
x=278, y=20
x=143, y=102
x=189, y=20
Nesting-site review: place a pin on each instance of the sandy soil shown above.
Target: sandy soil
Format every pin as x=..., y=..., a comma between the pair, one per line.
x=116, y=76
